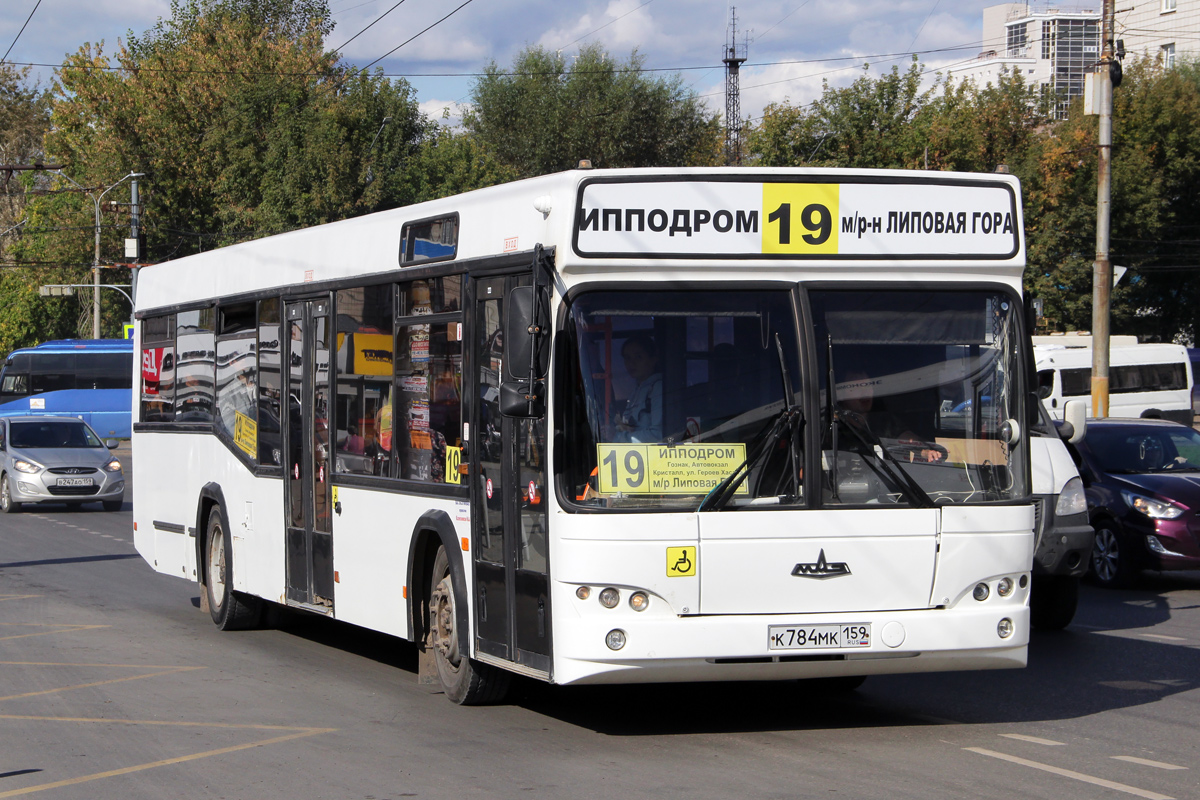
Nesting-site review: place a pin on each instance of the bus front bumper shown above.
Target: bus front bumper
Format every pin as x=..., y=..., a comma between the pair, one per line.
x=734, y=648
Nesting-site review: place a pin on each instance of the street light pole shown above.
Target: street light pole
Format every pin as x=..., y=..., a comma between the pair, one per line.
x=96, y=256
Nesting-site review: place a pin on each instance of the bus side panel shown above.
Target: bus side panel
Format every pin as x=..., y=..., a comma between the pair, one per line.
x=254, y=507
x=371, y=537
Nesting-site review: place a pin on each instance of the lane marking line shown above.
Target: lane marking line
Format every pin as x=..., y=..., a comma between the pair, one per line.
x=4, y=597
x=247, y=726
x=163, y=763
x=1020, y=737
x=1163, y=636
x=62, y=629
x=1066, y=773
x=101, y=683
x=1145, y=762
x=89, y=664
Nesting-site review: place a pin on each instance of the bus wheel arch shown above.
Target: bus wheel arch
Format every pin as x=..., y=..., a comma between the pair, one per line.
x=432, y=530
x=230, y=610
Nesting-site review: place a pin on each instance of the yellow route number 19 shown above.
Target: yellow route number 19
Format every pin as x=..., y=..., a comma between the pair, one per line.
x=800, y=218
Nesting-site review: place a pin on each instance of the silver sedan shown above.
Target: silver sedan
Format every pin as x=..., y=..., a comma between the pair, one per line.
x=57, y=460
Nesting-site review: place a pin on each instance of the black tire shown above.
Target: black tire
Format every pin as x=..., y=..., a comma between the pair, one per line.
x=230, y=610
x=7, y=504
x=112, y=505
x=465, y=681
x=1052, y=601
x=1113, y=565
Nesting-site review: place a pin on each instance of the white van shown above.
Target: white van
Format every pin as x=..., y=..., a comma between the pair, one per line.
x=1152, y=381
x=1064, y=535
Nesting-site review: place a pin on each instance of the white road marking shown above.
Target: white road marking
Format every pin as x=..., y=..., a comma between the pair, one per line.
x=1078, y=776
x=1035, y=740
x=1163, y=636
x=1145, y=762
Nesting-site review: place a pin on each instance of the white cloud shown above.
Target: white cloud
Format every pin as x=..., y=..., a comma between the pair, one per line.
x=669, y=34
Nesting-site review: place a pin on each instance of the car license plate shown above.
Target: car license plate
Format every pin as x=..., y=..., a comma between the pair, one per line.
x=74, y=481
x=838, y=636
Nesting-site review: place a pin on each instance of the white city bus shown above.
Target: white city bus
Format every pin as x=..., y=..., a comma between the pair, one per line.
x=611, y=426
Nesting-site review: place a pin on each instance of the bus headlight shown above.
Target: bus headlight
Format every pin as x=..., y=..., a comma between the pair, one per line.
x=981, y=592
x=1005, y=628
x=1004, y=587
x=27, y=467
x=615, y=639
x=610, y=597
x=583, y=592
x=638, y=601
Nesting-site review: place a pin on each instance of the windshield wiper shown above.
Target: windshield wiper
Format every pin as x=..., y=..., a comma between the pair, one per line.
x=884, y=458
x=786, y=423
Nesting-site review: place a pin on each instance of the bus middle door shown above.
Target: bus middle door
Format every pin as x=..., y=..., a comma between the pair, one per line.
x=307, y=457
x=508, y=468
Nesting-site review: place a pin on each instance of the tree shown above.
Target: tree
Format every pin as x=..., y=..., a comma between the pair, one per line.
x=1155, y=205
x=891, y=122
x=543, y=116
x=24, y=119
x=242, y=122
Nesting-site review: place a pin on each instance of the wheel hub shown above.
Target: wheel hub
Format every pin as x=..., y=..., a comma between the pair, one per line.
x=441, y=614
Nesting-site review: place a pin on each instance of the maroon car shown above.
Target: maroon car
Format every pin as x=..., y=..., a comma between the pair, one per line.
x=1143, y=488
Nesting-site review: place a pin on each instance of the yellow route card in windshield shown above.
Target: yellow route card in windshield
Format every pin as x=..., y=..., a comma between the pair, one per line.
x=666, y=469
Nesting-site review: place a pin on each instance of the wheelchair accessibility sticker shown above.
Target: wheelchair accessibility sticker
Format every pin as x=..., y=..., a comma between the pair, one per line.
x=681, y=562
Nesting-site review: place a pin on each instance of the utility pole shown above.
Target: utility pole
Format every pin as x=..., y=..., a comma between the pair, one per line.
x=1102, y=268
x=735, y=56
x=96, y=258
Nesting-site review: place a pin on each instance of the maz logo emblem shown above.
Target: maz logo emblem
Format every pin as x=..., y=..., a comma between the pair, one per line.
x=821, y=569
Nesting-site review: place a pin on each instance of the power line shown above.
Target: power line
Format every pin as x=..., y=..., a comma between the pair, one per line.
x=605, y=25
x=364, y=30
x=414, y=36
x=14, y=41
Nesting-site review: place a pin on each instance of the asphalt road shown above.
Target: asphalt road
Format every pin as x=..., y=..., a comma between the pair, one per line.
x=113, y=684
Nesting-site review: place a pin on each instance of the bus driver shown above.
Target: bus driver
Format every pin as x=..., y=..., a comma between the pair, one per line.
x=642, y=419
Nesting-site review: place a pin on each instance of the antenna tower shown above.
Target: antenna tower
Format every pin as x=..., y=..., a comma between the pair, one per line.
x=735, y=56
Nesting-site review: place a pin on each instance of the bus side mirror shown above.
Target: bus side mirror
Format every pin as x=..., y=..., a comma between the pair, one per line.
x=523, y=394
x=1075, y=415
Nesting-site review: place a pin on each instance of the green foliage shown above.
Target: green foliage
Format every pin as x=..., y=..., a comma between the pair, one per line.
x=890, y=122
x=243, y=124
x=543, y=116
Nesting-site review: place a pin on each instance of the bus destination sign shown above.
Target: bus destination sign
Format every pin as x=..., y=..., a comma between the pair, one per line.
x=884, y=219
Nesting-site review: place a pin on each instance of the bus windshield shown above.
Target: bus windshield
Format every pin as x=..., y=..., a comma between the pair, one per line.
x=926, y=398
x=671, y=393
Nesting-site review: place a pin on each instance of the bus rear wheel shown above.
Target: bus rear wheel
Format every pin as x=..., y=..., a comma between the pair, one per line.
x=464, y=680
x=230, y=610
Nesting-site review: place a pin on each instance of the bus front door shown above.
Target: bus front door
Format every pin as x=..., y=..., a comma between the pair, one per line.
x=508, y=469
x=307, y=493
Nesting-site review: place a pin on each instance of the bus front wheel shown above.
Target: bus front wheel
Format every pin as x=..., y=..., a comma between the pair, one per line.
x=464, y=680
x=230, y=610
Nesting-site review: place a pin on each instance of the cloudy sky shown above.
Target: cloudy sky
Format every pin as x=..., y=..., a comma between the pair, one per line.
x=793, y=44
